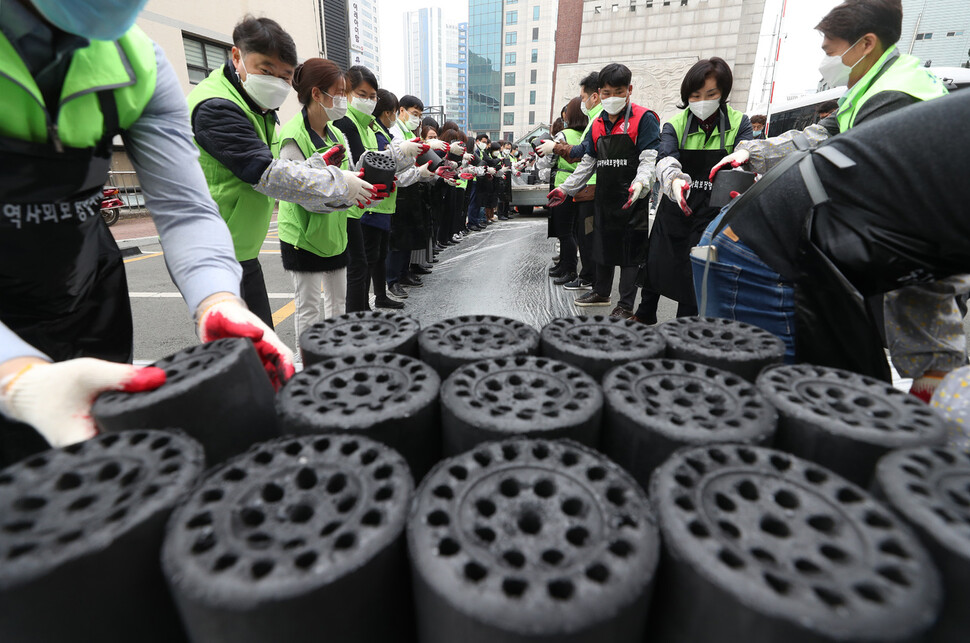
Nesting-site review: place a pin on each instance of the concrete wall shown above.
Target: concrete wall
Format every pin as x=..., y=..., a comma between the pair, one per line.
x=659, y=43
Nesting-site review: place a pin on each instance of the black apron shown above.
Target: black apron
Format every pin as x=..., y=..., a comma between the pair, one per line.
x=669, y=269
x=619, y=236
x=62, y=276
x=411, y=221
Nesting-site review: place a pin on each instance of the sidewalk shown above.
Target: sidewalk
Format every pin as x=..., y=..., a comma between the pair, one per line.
x=137, y=228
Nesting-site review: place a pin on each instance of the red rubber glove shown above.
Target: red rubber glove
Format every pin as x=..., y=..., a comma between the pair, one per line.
x=56, y=398
x=334, y=156
x=735, y=159
x=635, y=190
x=556, y=198
x=682, y=186
x=445, y=172
x=466, y=176
x=229, y=317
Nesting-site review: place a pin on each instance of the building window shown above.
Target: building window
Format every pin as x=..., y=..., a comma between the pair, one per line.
x=508, y=118
x=202, y=56
x=924, y=36
x=511, y=17
x=510, y=79
x=532, y=97
x=532, y=118
x=535, y=55
x=535, y=12
x=532, y=77
x=509, y=99
x=510, y=58
x=507, y=136
x=535, y=34
x=510, y=38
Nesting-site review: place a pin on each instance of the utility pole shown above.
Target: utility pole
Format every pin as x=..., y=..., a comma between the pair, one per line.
x=774, y=66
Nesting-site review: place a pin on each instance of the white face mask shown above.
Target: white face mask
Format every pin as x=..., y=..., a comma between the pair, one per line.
x=583, y=108
x=413, y=121
x=480, y=146
x=614, y=104
x=834, y=72
x=268, y=92
x=704, y=109
x=363, y=105
x=339, y=109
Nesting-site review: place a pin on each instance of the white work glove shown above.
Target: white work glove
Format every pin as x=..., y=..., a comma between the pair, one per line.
x=735, y=159
x=491, y=171
x=451, y=182
x=360, y=191
x=56, y=398
x=437, y=145
x=636, y=192
x=413, y=148
x=456, y=148
x=424, y=171
x=468, y=158
x=225, y=315
x=681, y=190
x=545, y=148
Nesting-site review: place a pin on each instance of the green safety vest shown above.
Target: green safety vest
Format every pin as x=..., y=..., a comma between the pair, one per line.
x=367, y=128
x=906, y=75
x=246, y=211
x=323, y=234
x=699, y=140
x=563, y=167
x=593, y=113
x=127, y=65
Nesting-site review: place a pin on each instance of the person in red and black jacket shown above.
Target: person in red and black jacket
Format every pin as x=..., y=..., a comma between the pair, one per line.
x=621, y=147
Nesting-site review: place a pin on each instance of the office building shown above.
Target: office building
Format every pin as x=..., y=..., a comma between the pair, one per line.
x=937, y=31
x=424, y=55
x=484, y=66
x=659, y=40
x=456, y=74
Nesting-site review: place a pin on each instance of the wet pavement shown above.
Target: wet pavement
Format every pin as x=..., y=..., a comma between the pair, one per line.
x=500, y=271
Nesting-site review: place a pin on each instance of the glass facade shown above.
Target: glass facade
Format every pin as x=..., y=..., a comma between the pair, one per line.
x=484, y=65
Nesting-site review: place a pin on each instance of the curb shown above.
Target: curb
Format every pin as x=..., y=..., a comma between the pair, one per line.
x=126, y=244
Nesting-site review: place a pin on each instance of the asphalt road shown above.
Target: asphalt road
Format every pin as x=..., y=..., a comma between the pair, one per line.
x=500, y=271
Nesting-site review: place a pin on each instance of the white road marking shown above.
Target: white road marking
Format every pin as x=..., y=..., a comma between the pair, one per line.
x=175, y=295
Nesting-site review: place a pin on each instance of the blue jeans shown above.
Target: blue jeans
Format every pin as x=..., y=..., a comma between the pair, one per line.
x=742, y=287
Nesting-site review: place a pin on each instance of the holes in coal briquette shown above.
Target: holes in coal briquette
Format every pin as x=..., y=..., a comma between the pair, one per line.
x=561, y=589
x=345, y=541
x=729, y=529
x=786, y=499
x=336, y=483
x=306, y=478
x=483, y=458
x=474, y=571
x=510, y=452
x=18, y=526
x=368, y=456
x=763, y=555
x=263, y=457
x=459, y=472
x=70, y=536
x=68, y=481
x=81, y=503
x=108, y=472
x=212, y=495
x=384, y=493
x=509, y=487
x=570, y=458
x=330, y=527
x=699, y=529
x=224, y=562
x=299, y=513
x=806, y=566
x=552, y=556
x=722, y=501
x=847, y=495
x=530, y=522
x=894, y=575
x=616, y=495
x=349, y=448
x=577, y=536
x=730, y=559
x=443, y=491
x=621, y=548
x=833, y=553
x=130, y=477
x=306, y=560
x=748, y=490
x=545, y=488
x=816, y=476
x=383, y=472
x=598, y=573
x=540, y=451
x=321, y=445
x=486, y=508
x=514, y=558
x=573, y=506
x=346, y=504
x=829, y=597
x=780, y=585
x=877, y=520
x=685, y=503
x=869, y=592
x=261, y=569
x=485, y=534
x=272, y=492
x=774, y=526
x=514, y=587
x=252, y=517
x=595, y=474
x=203, y=543
x=19, y=550
x=438, y=518
x=30, y=503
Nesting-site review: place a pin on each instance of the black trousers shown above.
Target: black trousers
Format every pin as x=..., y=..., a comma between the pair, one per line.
x=253, y=291
x=603, y=285
x=565, y=221
x=584, y=212
x=375, y=253
x=357, y=272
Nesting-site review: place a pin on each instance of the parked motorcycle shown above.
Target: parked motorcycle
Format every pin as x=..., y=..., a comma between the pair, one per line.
x=111, y=205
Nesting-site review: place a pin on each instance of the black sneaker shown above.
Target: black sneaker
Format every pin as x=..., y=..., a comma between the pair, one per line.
x=418, y=269
x=621, y=313
x=592, y=299
x=555, y=271
x=396, y=290
x=578, y=284
x=565, y=279
x=409, y=280
x=388, y=303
